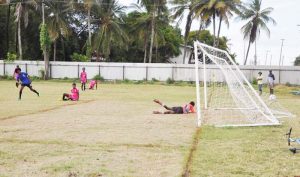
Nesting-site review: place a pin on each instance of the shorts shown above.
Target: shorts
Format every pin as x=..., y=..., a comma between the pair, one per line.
x=26, y=85
x=271, y=85
x=177, y=110
x=260, y=87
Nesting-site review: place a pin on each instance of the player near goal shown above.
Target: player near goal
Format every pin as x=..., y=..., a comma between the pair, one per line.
x=25, y=82
x=271, y=79
x=188, y=108
x=260, y=82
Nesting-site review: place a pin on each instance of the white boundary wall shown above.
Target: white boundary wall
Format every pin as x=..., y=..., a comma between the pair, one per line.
x=140, y=71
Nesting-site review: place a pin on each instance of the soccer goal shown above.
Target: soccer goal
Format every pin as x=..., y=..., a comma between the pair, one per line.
x=227, y=99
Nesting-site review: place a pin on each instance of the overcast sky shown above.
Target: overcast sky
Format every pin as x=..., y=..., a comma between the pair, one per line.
x=287, y=15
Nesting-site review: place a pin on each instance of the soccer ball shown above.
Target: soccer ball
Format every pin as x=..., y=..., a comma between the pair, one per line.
x=272, y=97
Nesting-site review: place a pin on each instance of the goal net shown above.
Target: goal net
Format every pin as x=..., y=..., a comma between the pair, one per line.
x=228, y=98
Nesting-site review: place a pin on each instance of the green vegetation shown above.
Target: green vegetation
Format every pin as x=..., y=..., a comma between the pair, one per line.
x=297, y=61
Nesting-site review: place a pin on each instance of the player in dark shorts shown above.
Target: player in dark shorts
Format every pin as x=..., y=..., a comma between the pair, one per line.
x=25, y=82
x=188, y=108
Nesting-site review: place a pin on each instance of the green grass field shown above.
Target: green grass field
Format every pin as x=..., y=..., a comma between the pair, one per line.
x=112, y=132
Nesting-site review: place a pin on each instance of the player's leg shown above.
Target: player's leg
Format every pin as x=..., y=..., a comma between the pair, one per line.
x=21, y=91
x=84, y=86
x=66, y=97
x=30, y=87
x=160, y=103
x=260, y=89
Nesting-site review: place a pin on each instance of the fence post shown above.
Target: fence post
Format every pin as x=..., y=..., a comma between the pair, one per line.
x=99, y=70
x=123, y=72
x=146, y=73
x=78, y=71
x=26, y=68
x=3, y=68
x=172, y=72
x=50, y=71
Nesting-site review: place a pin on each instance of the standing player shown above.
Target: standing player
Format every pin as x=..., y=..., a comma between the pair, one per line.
x=74, y=96
x=259, y=82
x=15, y=75
x=83, y=79
x=188, y=108
x=271, y=79
x=25, y=82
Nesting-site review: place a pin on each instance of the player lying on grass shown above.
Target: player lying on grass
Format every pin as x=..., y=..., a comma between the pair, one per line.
x=93, y=83
x=188, y=108
x=25, y=82
x=74, y=96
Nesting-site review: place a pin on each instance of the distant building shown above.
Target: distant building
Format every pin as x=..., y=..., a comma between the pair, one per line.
x=179, y=58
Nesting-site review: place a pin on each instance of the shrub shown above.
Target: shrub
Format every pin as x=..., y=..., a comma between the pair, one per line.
x=288, y=84
x=154, y=80
x=254, y=81
x=10, y=57
x=42, y=73
x=170, y=81
x=79, y=58
x=98, y=78
x=126, y=81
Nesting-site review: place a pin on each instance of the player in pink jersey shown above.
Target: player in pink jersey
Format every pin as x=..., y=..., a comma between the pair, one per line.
x=83, y=79
x=93, y=83
x=186, y=109
x=74, y=96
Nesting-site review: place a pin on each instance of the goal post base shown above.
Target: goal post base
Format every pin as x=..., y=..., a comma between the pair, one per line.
x=248, y=125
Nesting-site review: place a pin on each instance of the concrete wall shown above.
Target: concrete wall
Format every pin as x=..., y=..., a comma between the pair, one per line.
x=140, y=71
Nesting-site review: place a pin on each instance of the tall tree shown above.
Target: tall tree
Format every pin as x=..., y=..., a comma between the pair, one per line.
x=181, y=7
x=21, y=15
x=257, y=19
x=155, y=8
x=108, y=18
x=58, y=26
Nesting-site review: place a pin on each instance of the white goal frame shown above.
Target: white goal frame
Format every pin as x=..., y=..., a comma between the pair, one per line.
x=267, y=113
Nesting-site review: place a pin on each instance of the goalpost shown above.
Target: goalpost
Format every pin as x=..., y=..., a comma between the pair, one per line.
x=228, y=97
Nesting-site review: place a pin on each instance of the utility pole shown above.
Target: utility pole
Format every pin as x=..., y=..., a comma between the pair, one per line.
x=281, y=51
x=280, y=59
x=266, y=57
x=271, y=60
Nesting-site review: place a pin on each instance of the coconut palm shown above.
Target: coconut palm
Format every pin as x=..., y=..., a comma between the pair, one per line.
x=141, y=28
x=225, y=11
x=21, y=14
x=155, y=8
x=109, y=22
x=182, y=6
x=257, y=19
x=57, y=23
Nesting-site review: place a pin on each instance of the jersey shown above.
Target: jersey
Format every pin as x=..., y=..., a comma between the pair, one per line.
x=83, y=77
x=23, y=77
x=75, y=94
x=188, y=109
x=259, y=80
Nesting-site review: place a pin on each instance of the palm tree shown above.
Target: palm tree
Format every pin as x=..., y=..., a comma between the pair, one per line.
x=155, y=8
x=141, y=28
x=57, y=23
x=224, y=12
x=257, y=19
x=21, y=14
x=181, y=6
x=109, y=21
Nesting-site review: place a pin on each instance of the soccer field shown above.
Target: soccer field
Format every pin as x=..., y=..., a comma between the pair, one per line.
x=112, y=132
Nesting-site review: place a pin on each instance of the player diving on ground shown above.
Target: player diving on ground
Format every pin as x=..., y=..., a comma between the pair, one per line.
x=188, y=108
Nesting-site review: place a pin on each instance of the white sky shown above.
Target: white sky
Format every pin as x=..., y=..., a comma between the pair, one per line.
x=287, y=15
